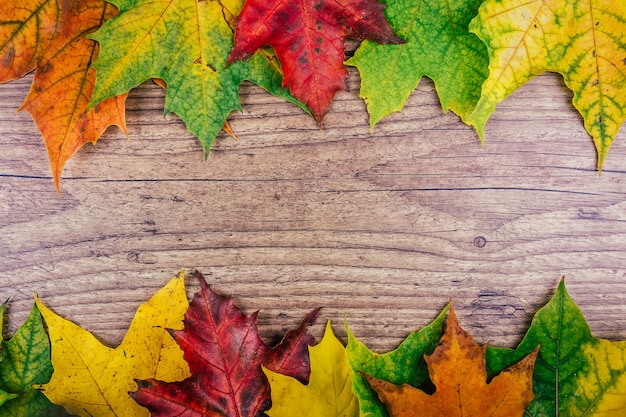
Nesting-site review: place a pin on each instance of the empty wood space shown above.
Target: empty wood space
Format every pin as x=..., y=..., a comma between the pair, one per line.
x=381, y=228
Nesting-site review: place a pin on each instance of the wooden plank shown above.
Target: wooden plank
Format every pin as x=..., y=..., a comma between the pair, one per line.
x=381, y=228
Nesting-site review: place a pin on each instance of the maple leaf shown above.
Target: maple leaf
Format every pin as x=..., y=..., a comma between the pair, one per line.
x=291, y=355
x=225, y=354
x=438, y=45
x=404, y=365
x=51, y=37
x=185, y=43
x=457, y=368
x=24, y=362
x=576, y=374
x=63, y=85
x=226, y=128
x=309, y=36
x=91, y=379
x=582, y=40
x=329, y=391
x=26, y=27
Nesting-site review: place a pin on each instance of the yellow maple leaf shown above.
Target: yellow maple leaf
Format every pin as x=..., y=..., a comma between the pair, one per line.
x=585, y=41
x=329, y=391
x=91, y=379
x=457, y=368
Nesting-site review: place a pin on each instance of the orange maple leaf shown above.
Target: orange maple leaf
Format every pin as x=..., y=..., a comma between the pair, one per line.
x=26, y=28
x=50, y=36
x=457, y=368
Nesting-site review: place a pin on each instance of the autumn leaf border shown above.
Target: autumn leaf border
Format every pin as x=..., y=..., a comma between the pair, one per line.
x=588, y=376
x=480, y=25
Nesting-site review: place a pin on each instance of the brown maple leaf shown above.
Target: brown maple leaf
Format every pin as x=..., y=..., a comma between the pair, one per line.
x=457, y=368
x=309, y=36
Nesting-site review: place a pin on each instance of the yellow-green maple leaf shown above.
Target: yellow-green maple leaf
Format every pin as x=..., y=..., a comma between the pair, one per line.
x=91, y=379
x=185, y=43
x=329, y=391
x=584, y=40
x=609, y=359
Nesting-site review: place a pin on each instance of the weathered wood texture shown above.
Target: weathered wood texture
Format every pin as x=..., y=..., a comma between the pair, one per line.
x=383, y=228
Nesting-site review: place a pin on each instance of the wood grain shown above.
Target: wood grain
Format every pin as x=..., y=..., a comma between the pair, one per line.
x=380, y=228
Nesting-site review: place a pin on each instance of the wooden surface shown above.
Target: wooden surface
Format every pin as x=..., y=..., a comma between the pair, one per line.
x=382, y=229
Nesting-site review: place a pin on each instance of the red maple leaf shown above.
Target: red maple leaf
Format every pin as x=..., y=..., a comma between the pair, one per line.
x=309, y=36
x=225, y=354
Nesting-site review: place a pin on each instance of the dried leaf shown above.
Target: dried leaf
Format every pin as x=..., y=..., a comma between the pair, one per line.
x=91, y=379
x=457, y=368
x=309, y=37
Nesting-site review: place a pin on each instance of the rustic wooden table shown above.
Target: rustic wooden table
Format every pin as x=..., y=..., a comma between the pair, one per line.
x=381, y=228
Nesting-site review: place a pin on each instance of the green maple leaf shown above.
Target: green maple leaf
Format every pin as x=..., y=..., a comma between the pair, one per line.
x=438, y=45
x=585, y=41
x=404, y=365
x=24, y=362
x=186, y=44
x=575, y=374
